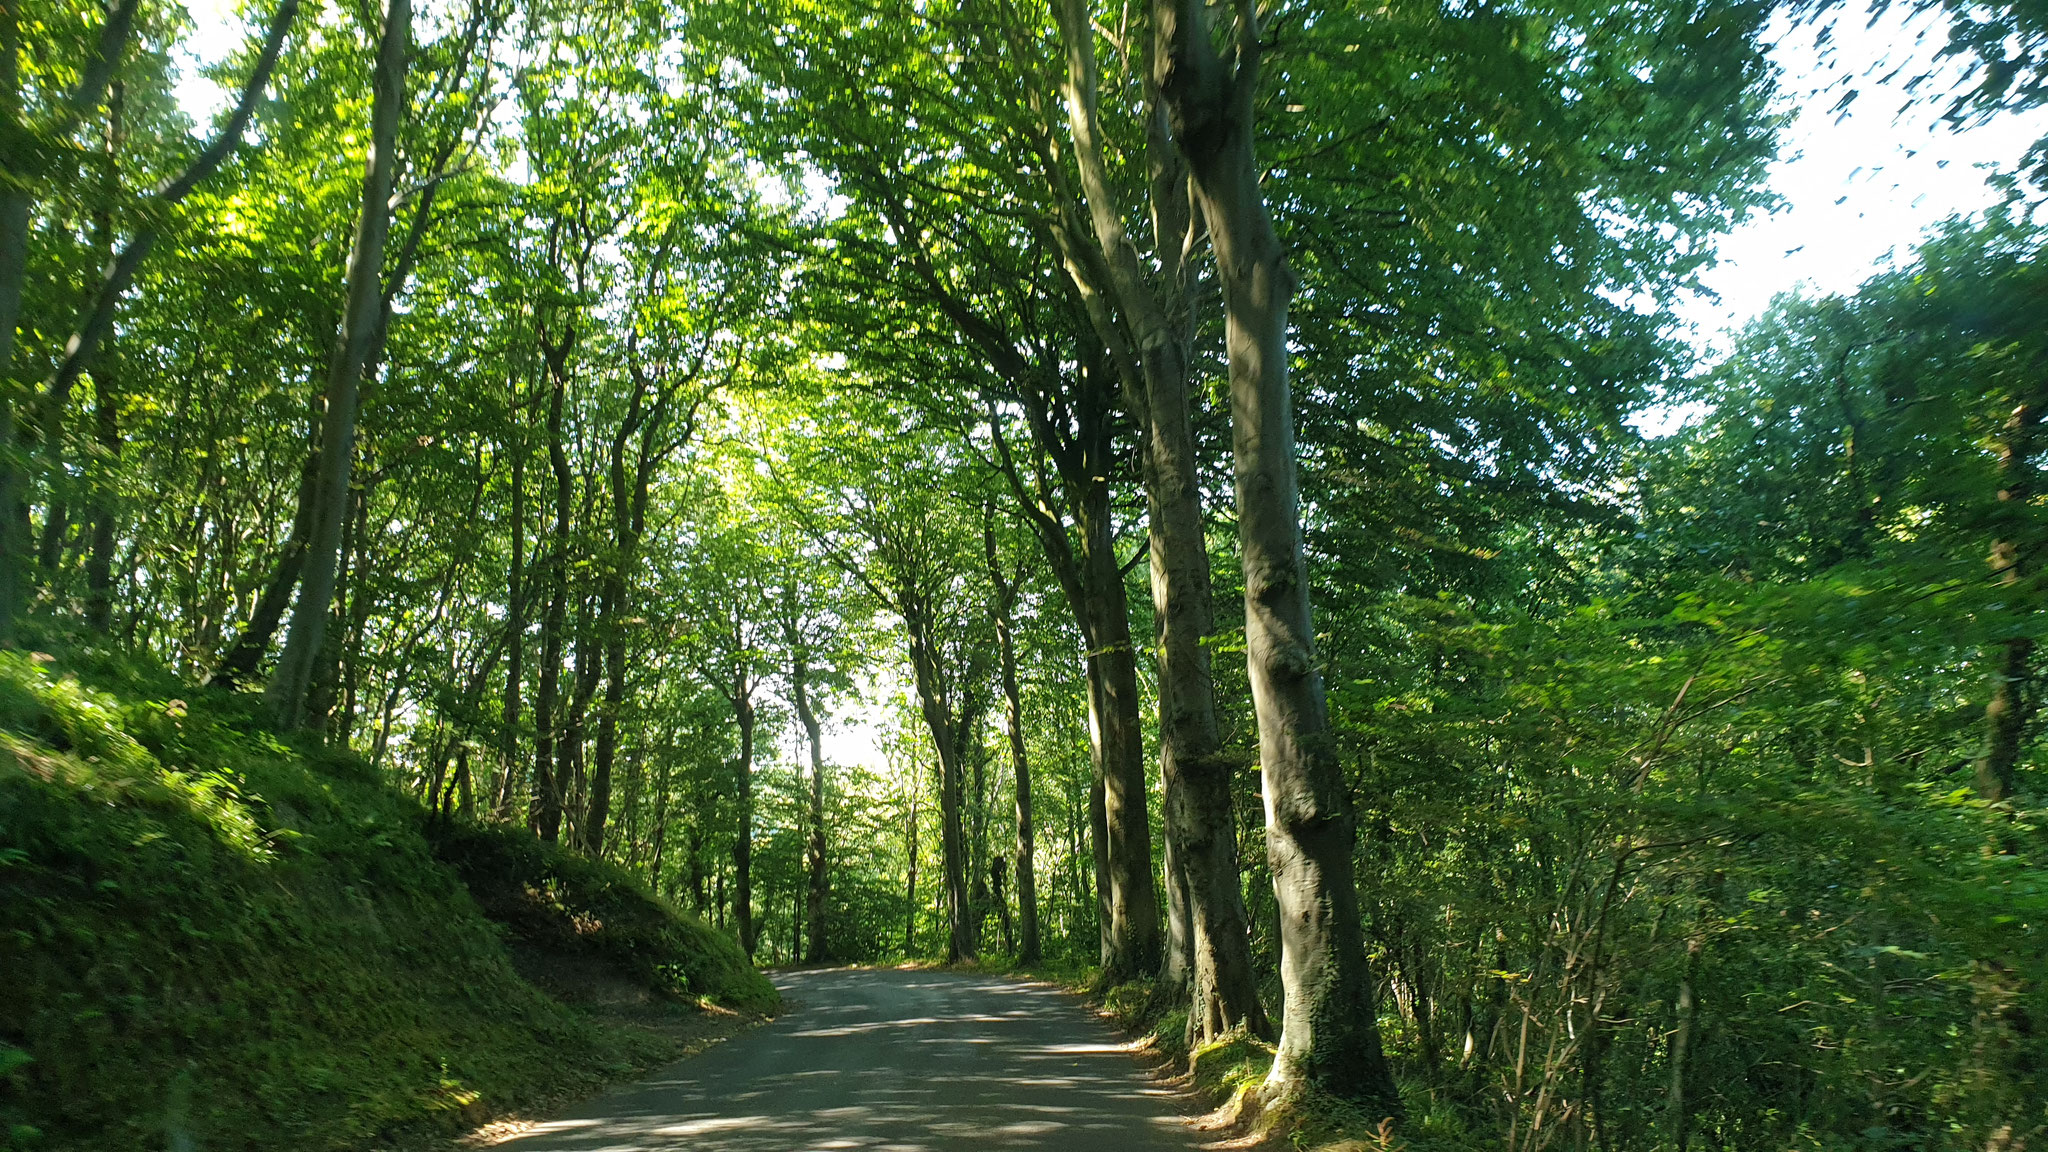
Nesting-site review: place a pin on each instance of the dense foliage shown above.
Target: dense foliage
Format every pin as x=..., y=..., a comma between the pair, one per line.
x=597, y=422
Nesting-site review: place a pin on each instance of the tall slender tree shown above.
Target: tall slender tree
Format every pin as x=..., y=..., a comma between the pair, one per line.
x=291, y=681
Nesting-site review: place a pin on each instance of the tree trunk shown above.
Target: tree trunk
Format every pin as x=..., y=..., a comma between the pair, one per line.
x=292, y=680
x=743, y=842
x=571, y=777
x=1028, y=951
x=2012, y=704
x=1131, y=899
x=910, y=886
x=243, y=657
x=1210, y=941
x=1098, y=822
x=696, y=850
x=545, y=810
x=1676, y=1109
x=106, y=408
x=1080, y=444
x=354, y=600
x=816, y=950
x=599, y=810
x=952, y=836
x=659, y=841
x=977, y=845
x=2005, y=720
x=951, y=726
x=998, y=874
x=627, y=506
x=14, y=221
x=960, y=942
x=515, y=635
x=56, y=522
x=1201, y=820
x=1177, y=953
x=1328, y=1037
x=99, y=564
x=465, y=789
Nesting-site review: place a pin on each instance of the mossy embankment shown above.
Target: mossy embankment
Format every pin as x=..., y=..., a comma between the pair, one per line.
x=214, y=939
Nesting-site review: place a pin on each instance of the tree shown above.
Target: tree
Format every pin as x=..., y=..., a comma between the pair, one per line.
x=734, y=634
x=816, y=617
x=1006, y=586
x=909, y=542
x=292, y=680
x=1327, y=1035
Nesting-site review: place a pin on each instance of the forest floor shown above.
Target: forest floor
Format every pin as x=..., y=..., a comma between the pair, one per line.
x=902, y=1058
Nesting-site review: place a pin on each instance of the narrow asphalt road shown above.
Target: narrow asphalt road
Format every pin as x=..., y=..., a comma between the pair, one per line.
x=894, y=1062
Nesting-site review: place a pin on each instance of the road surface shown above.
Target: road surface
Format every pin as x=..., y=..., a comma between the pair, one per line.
x=893, y=1061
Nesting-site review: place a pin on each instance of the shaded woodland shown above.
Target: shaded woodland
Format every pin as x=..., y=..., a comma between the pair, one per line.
x=1194, y=444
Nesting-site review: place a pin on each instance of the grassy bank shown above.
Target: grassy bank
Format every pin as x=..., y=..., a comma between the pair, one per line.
x=216, y=939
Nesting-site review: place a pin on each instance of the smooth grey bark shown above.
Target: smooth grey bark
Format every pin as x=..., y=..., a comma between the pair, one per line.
x=1201, y=821
x=1101, y=854
x=1079, y=444
x=1002, y=612
x=1211, y=949
x=361, y=315
x=1135, y=943
x=1328, y=1038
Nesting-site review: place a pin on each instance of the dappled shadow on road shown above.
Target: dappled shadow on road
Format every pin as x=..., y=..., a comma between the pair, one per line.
x=894, y=1062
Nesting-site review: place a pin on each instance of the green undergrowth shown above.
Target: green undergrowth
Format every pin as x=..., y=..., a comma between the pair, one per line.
x=568, y=905
x=212, y=939
x=1229, y=1074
